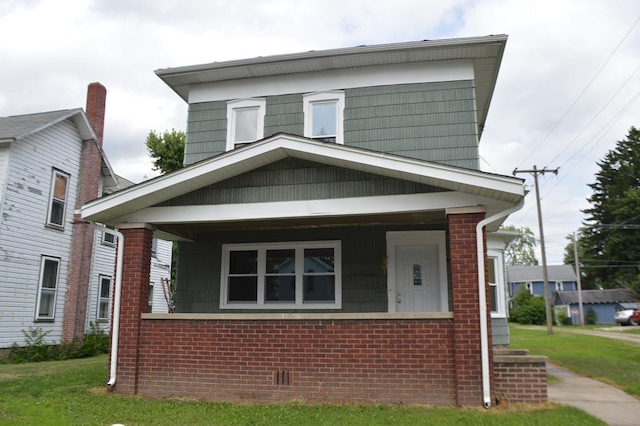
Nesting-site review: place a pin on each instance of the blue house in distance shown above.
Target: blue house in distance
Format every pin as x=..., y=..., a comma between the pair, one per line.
x=603, y=302
x=530, y=278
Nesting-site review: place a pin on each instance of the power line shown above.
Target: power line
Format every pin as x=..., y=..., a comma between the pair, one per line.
x=583, y=91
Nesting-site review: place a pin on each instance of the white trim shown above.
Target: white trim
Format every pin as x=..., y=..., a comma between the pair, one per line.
x=501, y=311
x=330, y=207
x=54, y=177
x=267, y=151
x=379, y=75
x=401, y=238
x=108, y=278
x=299, y=247
x=334, y=96
x=244, y=104
x=43, y=260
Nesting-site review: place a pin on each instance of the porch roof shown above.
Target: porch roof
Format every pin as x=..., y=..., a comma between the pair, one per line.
x=465, y=187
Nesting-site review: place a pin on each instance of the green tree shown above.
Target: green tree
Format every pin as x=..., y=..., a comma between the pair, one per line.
x=521, y=250
x=528, y=309
x=611, y=233
x=166, y=150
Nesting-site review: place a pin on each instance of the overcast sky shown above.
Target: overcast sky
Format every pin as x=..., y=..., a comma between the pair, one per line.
x=567, y=89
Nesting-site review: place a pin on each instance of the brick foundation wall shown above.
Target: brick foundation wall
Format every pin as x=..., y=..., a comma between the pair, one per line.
x=385, y=361
x=520, y=378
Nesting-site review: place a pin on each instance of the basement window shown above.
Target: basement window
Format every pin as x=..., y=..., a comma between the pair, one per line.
x=289, y=275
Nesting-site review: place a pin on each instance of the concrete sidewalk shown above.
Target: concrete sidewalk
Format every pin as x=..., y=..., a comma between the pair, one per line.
x=605, y=402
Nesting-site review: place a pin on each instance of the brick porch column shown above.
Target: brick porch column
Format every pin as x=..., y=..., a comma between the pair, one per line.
x=134, y=301
x=466, y=307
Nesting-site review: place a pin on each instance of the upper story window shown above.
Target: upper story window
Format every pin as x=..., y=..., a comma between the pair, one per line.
x=58, y=199
x=323, y=116
x=47, y=289
x=245, y=121
x=559, y=286
x=295, y=275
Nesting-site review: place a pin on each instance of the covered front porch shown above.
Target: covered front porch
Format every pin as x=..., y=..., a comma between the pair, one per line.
x=311, y=271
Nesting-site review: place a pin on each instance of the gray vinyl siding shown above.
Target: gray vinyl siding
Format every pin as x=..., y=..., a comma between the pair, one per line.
x=294, y=179
x=283, y=114
x=426, y=121
x=364, y=283
x=500, y=331
x=206, y=131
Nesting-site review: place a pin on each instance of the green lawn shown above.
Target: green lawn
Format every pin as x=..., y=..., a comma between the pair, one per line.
x=73, y=393
x=609, y=360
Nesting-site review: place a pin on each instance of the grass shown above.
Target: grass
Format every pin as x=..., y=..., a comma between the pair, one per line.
x=73, y=393
x=609, y=360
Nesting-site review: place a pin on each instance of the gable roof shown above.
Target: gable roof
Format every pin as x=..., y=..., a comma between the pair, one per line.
x=503, y=190
x=20, y=126
x=615, y=295
x=485, y=53
x=16, y=127
x=519, y=274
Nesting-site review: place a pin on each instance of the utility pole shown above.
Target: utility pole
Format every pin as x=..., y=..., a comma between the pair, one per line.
x=575, y=256
x=547, y=296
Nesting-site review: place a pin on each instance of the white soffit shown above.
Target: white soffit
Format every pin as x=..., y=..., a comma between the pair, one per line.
x=278, y=147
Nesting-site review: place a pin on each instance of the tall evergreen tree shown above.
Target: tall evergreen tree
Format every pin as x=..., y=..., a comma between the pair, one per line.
x=612, y=232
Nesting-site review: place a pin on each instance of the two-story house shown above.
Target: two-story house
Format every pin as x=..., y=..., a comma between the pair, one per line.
x=331, y=219
x=531, y=279
x=56, y=270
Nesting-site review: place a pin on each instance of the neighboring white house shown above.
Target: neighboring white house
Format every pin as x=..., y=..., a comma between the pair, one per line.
x=56, y=271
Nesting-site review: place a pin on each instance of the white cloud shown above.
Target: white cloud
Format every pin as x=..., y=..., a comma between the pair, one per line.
x=52, y=49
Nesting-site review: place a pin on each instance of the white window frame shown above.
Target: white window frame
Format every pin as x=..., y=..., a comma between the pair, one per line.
x=299, y=247
x=242, y=104
x=47, y=290
x=104, y=280
x=150, y=301
x=324, y=97
x=501, y=306
x=52, y=200
x=559, y=286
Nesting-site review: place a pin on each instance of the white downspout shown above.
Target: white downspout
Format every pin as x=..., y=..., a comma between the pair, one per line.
x=115, y=329
x=482, y=298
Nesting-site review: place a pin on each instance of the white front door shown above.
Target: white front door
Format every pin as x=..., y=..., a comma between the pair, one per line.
x=417, y=271
x=417, y=279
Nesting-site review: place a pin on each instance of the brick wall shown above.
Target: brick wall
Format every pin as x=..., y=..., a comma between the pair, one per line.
x=520, y=378
x=386, y=361
x=134, y=300
x=80, y=258
x=466, y=307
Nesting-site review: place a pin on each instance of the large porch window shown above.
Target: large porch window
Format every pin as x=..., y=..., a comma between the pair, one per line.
x=288, y=275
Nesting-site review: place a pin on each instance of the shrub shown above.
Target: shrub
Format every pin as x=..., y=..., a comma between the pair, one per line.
x=592, y=317
x=529, y=309
x=36, y=349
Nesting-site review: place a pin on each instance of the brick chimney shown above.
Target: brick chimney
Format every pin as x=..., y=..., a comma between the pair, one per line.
x=96, y=101
x=89, y=179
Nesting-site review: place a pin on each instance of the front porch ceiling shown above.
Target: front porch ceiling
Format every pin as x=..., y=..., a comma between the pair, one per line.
x=192, y=231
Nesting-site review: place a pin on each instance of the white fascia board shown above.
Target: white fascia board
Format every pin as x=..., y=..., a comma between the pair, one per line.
x=431, y=173
x=380, y=75
x=279, y=147
x=388, y=204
